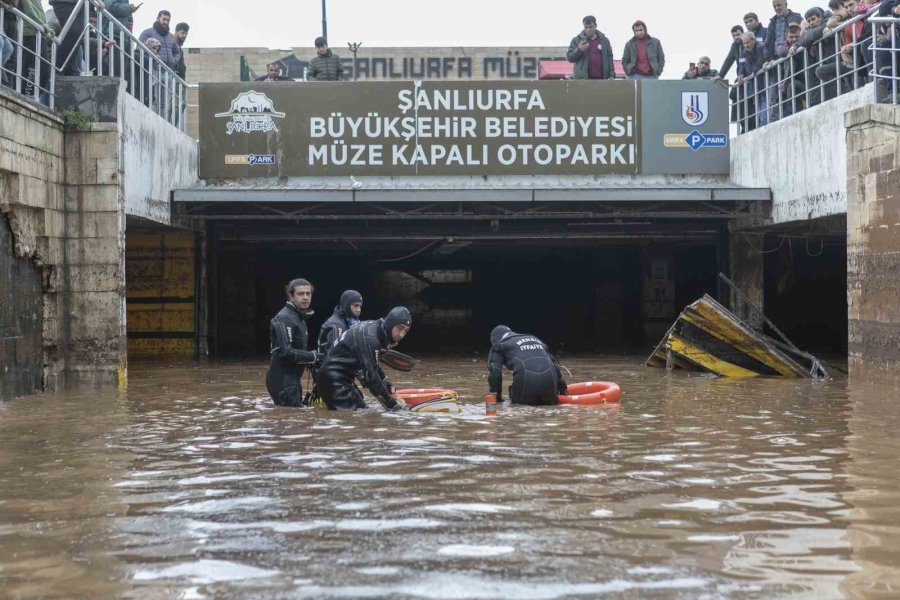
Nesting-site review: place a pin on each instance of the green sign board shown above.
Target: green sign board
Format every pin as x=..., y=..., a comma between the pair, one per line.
x=461, y=128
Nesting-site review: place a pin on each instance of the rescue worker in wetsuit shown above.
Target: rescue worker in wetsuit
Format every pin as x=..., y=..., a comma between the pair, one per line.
x=345, y=314
x=356, y=355
x=536, y=376
x=287, y=346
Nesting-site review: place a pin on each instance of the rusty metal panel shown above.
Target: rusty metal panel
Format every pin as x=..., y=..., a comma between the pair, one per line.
x=161, y=280
x=21, y=321
x=161, y=348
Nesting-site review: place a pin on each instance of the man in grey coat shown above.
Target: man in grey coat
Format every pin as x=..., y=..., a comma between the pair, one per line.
x=591, y=53
x=643, y=57
x=169, y=50
x=325, y=65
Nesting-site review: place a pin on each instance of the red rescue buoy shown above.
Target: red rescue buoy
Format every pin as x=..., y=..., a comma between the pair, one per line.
x=591, y=393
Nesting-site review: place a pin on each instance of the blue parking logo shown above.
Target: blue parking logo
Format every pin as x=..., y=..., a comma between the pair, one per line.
x=696, y=140
x=262, y=159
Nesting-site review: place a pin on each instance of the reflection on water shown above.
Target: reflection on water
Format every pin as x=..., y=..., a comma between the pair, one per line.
x=193, y=485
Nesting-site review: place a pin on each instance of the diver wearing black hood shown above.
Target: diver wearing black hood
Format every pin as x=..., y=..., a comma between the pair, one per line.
x=536, y=376
x=287, y=346
x=340, y=320
x=356, y=353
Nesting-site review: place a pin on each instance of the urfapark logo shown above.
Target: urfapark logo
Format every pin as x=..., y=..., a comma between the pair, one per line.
x=251, y=112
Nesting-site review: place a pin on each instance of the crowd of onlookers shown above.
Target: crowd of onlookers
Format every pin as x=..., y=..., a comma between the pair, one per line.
x=795, y=62
x=111, y=56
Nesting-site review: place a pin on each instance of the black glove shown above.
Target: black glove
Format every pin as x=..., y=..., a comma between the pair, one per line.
x=399, y=408
x=561, y=388
x=320, y=358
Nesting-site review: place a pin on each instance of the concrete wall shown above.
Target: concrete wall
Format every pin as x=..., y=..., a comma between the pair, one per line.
x=873, y=248
x=156, y=158
x=21, y=311
x=801, y=158
x=63, y=193
x=32, y=198
x=95, y=257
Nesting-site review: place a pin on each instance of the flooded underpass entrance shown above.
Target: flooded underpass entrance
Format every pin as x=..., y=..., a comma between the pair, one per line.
x=585, y=278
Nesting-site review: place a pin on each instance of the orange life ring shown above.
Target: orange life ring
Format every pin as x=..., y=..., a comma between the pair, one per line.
x=591, y=393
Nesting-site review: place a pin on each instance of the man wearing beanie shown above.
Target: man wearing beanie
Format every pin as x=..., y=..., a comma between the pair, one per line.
x=356, y=354
x=536, y=376
x=345, y=315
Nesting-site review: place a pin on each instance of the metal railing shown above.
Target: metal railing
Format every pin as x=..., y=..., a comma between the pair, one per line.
x=27, y=61
x=805, y=77
x=104, y=47
x=886, y=59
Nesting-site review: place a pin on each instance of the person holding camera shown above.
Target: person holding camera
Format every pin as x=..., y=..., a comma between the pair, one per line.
x=701, y=70
x=591, y=53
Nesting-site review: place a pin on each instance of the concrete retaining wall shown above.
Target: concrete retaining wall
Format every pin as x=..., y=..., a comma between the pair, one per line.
x=65, y=193
x=873, y=224
x=156, y=158
x=32, y=199
x=801, y=158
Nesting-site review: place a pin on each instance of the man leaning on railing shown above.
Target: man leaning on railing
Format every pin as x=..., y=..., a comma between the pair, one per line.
x=65, y=59
x=28, y=48
x=887, y=51
x=169, y=50
x=751, y=97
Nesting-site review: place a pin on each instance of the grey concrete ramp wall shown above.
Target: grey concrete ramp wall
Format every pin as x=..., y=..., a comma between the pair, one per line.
x=156, y=158
x=153, y=155
x=802, y=158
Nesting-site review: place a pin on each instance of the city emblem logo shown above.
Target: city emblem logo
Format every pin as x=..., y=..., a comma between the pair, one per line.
x=695, y=108
x=251, y=112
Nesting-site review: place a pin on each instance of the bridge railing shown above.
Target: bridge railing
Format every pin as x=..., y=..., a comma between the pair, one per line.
x=102, y=46
x=27, y=61
x=886, y=59
x=806, y=77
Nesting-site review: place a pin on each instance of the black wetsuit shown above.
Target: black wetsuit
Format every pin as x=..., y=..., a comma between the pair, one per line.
x=339, y=322
x=287, y=347
x=332, y=330
x=355, y=354
x=536, y=376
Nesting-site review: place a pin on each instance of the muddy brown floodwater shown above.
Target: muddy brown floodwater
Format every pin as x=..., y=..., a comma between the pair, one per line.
x=193, y=485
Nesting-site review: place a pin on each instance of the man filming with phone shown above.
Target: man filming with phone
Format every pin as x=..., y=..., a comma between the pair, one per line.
x=591, y=53
x=701, y=70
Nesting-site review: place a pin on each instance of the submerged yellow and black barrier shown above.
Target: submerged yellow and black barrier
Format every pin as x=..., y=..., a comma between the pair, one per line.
x=707, y=337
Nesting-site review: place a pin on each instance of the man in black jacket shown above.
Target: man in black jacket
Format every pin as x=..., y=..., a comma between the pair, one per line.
x=356, y=355
x=325, y=65
x=536, y=376
x=273, y=73
x=287, y=342
x=884, y=63
x=345, y=314
x=734, y=55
